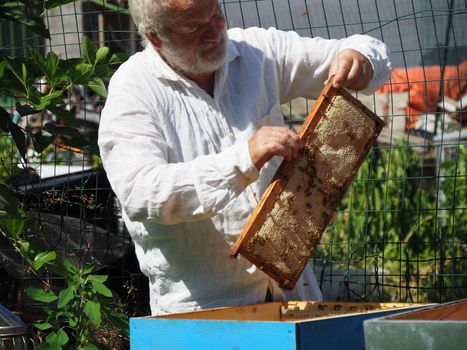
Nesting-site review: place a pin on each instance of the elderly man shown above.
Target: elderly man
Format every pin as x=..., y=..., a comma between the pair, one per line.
x=192, y=134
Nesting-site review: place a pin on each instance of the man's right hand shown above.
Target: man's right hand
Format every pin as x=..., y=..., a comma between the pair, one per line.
x=272, y=141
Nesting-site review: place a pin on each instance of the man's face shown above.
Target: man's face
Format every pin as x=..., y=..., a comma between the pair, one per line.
x=195, y=36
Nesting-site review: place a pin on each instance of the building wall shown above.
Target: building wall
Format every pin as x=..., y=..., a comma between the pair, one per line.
x=65, y=24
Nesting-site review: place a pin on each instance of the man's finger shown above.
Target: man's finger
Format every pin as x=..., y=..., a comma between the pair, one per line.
x=332, y=71
x=343, y=69
x=269, y=141
x=354, y=74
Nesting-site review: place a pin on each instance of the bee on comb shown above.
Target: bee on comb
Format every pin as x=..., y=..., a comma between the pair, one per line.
x=294, y=211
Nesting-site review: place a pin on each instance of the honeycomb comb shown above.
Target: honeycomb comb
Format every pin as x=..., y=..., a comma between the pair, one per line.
x=302, y=199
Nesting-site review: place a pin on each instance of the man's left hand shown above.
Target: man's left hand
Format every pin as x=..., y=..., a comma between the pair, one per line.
x=350, y=69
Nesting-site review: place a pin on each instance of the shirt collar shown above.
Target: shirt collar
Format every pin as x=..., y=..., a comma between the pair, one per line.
x=161, y=69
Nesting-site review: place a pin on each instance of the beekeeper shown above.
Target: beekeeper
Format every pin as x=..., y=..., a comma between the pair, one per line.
x=192, y=134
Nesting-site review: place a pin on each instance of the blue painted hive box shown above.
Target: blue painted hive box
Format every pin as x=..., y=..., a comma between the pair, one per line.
x=276, y=325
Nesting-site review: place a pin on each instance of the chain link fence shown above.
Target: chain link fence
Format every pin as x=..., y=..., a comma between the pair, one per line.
x=400, y=233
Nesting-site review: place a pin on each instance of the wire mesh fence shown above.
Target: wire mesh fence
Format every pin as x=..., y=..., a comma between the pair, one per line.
x=400, y=233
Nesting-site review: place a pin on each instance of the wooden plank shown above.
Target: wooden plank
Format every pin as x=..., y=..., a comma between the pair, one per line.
x=312, y=310
x=284, y=311
x=455, y=311
x=256, y=312
x=300, y=202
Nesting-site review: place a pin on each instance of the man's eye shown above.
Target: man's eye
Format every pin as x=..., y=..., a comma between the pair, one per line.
x=191, y=30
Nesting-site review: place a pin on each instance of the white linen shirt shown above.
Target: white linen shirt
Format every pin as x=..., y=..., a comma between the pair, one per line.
x=178, y=160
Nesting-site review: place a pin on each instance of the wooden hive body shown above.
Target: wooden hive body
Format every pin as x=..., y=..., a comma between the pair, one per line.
x=272, y=326
x=302, y=199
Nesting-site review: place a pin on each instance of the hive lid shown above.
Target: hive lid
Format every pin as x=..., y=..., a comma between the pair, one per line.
x=10, y=324
x=294, y=211
x=8, y=318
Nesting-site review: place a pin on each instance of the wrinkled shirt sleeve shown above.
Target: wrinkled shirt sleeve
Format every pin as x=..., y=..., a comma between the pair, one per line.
x=303, y=63
x=135, y=157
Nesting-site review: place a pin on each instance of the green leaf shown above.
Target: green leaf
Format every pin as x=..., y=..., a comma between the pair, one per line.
x=70, y=266
x=66, y=67
x=12, y=202
x=43, y=326
x=59, y=269
x=102, y=71
x=80, y=73
x=38, y=58
x=15, y=227
x=38, y=294
x=65, y=131
x=24, y=109
x=89, y=50
x=41, y=140
x=97, y=85
x=65, y=296
x=88, y=346
x=17, y=72
x=61, y=76
x=35, y=97
x=72, y=321
x=2, y=68
x=89, y=268
x=101, y=289
x=51, y=96
x=98, y=278
x=93, y=311
x=70, y=136
x=19, y=138
x=24, y=72
x=57, y=338
x=76, y=142
x=66, y=116
x=58, y=315
x=43, y=258
x=17, y=12
x=102, y=54
x=46, y=346
x=118, y=57
x=49, y=4
x=4, y=119
x=25, y=248
x=51, y=65
x=119, y=321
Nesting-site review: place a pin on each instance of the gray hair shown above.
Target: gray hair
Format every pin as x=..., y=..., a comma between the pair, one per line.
x=147, y=15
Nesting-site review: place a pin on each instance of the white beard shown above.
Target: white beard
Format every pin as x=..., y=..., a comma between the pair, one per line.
x=180, y=60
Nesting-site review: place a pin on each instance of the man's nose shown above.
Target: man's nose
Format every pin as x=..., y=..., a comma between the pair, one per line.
x=213, y=32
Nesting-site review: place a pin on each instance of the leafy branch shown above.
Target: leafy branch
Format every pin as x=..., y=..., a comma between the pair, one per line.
x=19, y=77
x=86, y=301
x=41, y=85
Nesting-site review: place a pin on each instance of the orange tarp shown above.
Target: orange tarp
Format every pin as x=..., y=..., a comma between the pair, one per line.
x=423, y=85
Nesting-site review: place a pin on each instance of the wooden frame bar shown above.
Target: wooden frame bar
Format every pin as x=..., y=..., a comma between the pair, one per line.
x=291, y=239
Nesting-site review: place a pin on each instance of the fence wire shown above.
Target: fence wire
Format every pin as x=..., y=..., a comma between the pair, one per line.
x=400, y=233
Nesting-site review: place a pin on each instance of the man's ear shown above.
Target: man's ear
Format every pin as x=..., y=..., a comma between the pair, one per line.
x=154, y=40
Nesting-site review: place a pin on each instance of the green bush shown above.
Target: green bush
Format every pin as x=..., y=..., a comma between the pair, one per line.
x=406, y=225
x=85, y=303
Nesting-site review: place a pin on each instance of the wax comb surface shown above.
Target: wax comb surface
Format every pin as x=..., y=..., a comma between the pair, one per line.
x=300, y=202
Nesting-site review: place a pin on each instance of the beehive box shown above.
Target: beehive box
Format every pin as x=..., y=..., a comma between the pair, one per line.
x=302, y=199
x=442, y=326
x=277, y=325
